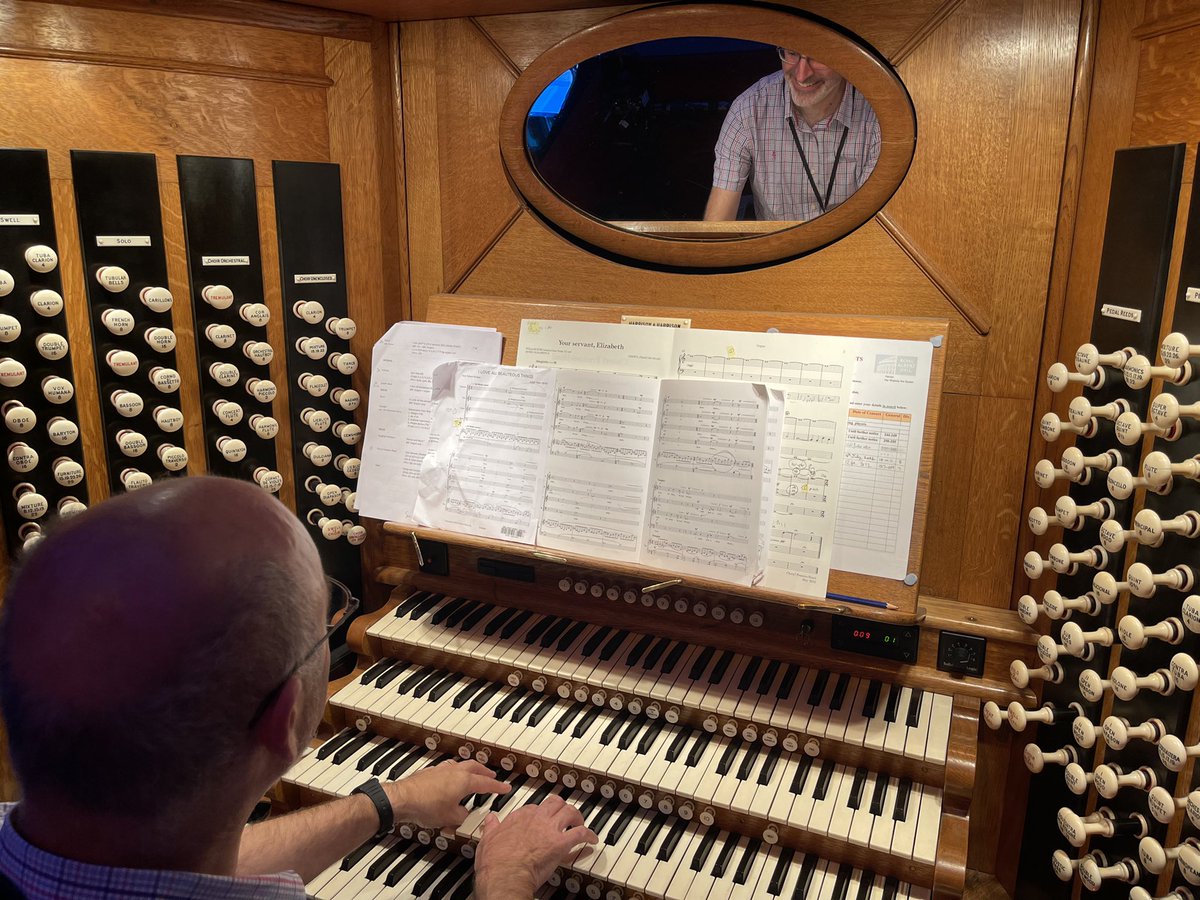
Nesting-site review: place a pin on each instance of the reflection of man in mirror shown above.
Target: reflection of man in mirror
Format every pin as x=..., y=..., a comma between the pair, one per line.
x=805, y=134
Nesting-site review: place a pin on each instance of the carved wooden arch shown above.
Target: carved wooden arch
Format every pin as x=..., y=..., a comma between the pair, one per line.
x=867, y=71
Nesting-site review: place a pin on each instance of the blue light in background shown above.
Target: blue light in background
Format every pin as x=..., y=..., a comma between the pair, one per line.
x=550, y=101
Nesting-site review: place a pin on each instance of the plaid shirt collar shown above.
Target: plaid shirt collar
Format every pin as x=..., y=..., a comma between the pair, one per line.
x=844, y=114
x=44, y=876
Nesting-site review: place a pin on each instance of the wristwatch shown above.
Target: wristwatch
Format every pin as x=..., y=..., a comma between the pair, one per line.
x=383, y=806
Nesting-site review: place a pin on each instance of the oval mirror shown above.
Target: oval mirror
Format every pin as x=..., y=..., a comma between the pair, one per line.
x=708, y=135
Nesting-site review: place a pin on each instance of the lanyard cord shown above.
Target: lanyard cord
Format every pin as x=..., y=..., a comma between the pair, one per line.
x=823, y=203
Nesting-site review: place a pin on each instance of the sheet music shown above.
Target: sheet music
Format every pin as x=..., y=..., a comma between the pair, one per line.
x=601, y=443
x=813, y=372
x=882, y=459
x=486, y=468
x=401, y=408
x=596, y=347
x=708, y=480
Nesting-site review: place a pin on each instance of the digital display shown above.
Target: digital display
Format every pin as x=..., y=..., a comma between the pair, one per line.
x=882, y=639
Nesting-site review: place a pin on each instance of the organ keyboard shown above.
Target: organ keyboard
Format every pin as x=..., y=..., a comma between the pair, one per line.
x=714, y=757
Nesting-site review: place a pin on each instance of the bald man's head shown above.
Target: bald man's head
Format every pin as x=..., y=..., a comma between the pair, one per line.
x=139, y=637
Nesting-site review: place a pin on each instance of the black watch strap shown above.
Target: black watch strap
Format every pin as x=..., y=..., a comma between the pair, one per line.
x=373, y=789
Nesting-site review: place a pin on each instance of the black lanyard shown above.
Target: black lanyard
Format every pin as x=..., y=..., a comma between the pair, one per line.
x=824, y=203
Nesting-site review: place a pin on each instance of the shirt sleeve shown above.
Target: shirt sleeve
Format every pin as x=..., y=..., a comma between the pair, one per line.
x=732, y=166
x=872, y=149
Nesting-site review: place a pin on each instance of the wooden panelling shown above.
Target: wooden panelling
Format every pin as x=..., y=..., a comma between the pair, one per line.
x=1167, y=104
x=522, y=38
x=950, y=494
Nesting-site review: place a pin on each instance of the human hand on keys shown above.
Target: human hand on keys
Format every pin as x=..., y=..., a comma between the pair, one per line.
x=433, y=797
x=517, y=855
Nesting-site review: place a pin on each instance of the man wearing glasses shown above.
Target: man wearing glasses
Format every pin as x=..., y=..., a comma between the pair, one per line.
x=163, y=660
x=804, y=135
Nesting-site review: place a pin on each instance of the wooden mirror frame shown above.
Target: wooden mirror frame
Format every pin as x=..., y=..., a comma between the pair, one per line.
x=863, y=68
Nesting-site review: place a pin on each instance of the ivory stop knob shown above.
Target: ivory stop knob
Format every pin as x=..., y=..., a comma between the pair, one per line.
x=62, y=431
x=57, y=389
x=316, y=385
x=12, y=373
x=160, y=339
x=258, y=352
x=127, y=403
x=112, y=278
x=268, y=479
x=131, y=443
x=167, y=418
x=70, y=506
x=218, y=296
x=261, y=389
x=117, y=321
x=41, y=258
x=18, y=417
x=225, y=374
x=355, y=534
x=165, y=379
x=347, y=398
x=348, y=465
x=231, y=449
x=156, y=299
x=134, y=480
x=316, y=419
x=264, y=426
x=222, y=336
x=310, y=311
x=6, y=283
x=10, y=328
x=46, y=302
x=30, y=504
x=312, y=347
x=348, y=432
x=227, y=411
x=66, y=471
x=21, y=457
x=317, y=454
x=328, y=494
x=122, y=362
x=346, y=363
x=345, y=327
x=174, y=459
x=257, y=314
x=51, y=346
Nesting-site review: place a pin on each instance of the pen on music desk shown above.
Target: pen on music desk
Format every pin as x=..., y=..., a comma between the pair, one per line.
x=862, y=601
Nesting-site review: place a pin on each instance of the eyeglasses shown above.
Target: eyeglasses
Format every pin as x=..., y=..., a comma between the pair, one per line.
x=791, y=56
x=342, y=606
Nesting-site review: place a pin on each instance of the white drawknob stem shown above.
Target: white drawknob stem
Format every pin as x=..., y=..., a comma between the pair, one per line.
x=1106, y=588
x=1145, y=583
x=1036, y=759
x=1052, y=427
x=1151, y=528
x=1176, y=350
x=1088, y=358
x=1082, y=409
x=1092, y=686
x=1165, y=410
x=1058, y=377
x=1071, y=514
x=1129, y=429
x=1138, y=373
x=1064, y=562
x=1174, y=754
x=1109, y=781
x=1113, y=537
x=1077, y=466
x=1135, y=635
x=1126, y=683
x=1093, y=875
x=1076, y=641
x=1158, y=469
x=1021, y=674
x=1044, y=474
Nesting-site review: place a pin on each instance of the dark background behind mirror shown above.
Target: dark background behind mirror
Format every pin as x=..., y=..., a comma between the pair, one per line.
x=634, y=139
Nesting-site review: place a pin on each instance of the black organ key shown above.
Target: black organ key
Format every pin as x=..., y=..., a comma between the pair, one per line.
x=569, y=715
x=476, y=617
x=721, y=667
x=603, y=815
x=904, y=790
x=555, y=632
x=387, y=859
x=891, y=887
x=655, y=653
x=405, y=762
x=676, y=746
x=671, y=841
x=698, y=748
x=392, y=757
x=839, y=692
x=515, y=624
x=356, y=856
x=506, y=705
x=806, y=876
x=425, y=605
x=635, y=653
x=726, y=761
x=854, y=801
x=540, y=794
x=455, y=619
x=743, y=869
x=818, y=688
x=871, y=700
x=502, y=801
x=822, y=785
x=748, y=761
x=842, y=885
x=523, y=708
x=672, y=659
x=649, y=833
x=893, y=704
x=864, y=886
x=649, y=736
x=572, y=635
x=595, y=641
x=769, y=764
x=914, y=708
x=610, y=732
x=539, y=629
x=427, y=683
x=483, y=698
x=768, y=677
x=468, y=692
x=452, y=877
x=539, y=712
x=749, y=672
x=410, y=682
x=338, y=740
x=775, y=887
x=625, y=741
x=466, y=890
x=370, y=758
x=701, y=663
x=727, y=848
x=582, y=726
x=412, y=600
x=437, y=868
x=444, y=611
x=349, y=748
x=880, y=796
x=788, y=682
x=593, y=800
x=623, y=820
x=611, y=645
x=376, y=670
x=801, y=775
x=405, y=865
x=705, y=848
x=496, y=622
x=444, y=687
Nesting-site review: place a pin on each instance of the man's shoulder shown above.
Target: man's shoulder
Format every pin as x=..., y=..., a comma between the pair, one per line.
x=761, y=92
